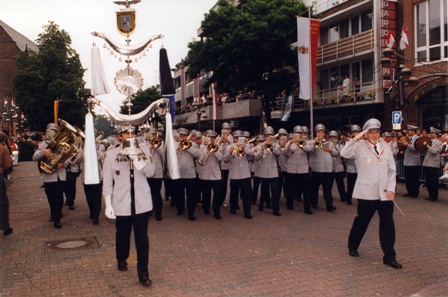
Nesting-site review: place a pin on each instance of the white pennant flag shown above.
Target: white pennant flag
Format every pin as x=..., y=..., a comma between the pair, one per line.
x=404, y=42
x=390, y=40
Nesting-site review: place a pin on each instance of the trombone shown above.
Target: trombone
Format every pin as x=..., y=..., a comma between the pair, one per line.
x=184, y=145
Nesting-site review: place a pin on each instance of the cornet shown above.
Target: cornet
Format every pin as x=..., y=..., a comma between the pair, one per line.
x=317, y=143
x=239, y=151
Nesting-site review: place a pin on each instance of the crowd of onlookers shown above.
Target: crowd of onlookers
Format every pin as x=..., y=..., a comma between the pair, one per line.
x=208, y=100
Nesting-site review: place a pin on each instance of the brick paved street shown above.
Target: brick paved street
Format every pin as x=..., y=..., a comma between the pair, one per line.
x=292, y=255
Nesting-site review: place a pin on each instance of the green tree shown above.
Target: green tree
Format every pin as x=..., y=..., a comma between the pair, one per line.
x=249, y=47
x=103, y=126
x=54, y=72
x=141, y=100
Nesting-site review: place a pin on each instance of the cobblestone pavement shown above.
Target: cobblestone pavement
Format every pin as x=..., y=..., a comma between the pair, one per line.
x=292, y=255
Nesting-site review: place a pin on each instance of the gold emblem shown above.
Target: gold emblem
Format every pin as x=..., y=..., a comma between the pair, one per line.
x=126, y=21
x=367, y=160
x=302, y=49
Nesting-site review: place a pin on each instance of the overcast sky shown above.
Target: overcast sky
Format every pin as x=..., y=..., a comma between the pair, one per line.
x=177, y=20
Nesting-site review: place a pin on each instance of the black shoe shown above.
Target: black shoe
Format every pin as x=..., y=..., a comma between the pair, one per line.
x=343, y=200
x=349, y=202
x=353, y=253
x=145, y=281
x=248, y=216
x=393, y=264
x=314, y=206
x=71, y=207
x=309, y=212
x=179, y=213
x=277, y=214
x=57, y=225
x=414, y=196
x=95, y=221
x=407, y=195
x=158, y=217
x=122, y=265
x=232, y=211
x=206, y=212
x=192, y=217
x=65, y=203
x=333, y=208
x=260, y=209
x=218, y=217
x=290, y=208
x=237, y=208
x=268, y=207
x=7, y=231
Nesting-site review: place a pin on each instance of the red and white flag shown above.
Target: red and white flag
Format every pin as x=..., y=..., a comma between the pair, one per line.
x=215, y=102
x=390, y=40
x=404, y=42
x=307, y=44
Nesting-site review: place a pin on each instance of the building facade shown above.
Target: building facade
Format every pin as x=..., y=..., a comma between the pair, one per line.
x=12, y=43
x=352, y=81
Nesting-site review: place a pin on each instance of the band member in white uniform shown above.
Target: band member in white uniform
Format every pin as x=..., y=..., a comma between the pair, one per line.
x=128, y=199
x=374, y=189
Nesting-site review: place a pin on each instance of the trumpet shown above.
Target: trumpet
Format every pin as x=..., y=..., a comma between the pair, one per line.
x=184, y=145
x=301, y=143
x=239, y=151
x=156, y=143
x=317, y=143
x=268, y=144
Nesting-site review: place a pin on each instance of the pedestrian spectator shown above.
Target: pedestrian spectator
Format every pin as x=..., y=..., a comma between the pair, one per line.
x=374, y=189
x=346, y=85
x=5, y=164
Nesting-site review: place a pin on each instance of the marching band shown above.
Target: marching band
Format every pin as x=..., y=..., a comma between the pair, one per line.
x=288, y=163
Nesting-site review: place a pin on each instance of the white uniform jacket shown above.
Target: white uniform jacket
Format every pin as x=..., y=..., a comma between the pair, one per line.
x=157, y=155
x=60, y=174
x=116, y=183
x=238, y=166
x=187, y=162
x=376, y=174
x=267, y=163
x=338, y=165
x=432, y=156
x=322, y=161
x=411, y=155
x=297, y=157
x=210, y=170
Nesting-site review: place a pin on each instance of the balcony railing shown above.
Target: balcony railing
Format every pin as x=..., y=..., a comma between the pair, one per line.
x=345, y=48
x=226, y=111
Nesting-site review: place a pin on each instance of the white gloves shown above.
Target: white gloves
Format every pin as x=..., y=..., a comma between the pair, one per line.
x=138, y=164
x=109, y=212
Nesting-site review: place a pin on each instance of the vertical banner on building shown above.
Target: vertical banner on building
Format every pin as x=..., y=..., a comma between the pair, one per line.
x=307, y=45
x=388, y=34
x=56, y=110
x=215, y=102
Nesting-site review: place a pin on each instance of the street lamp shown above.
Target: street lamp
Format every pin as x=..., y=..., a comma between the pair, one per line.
x=399, y=77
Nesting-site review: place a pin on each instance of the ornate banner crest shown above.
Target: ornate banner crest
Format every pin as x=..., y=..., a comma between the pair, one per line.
x=126, y=21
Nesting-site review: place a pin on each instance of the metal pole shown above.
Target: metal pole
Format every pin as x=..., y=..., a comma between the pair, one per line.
x=311, y=80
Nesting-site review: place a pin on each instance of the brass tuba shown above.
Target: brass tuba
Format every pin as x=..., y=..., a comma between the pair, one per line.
x=63, y=147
